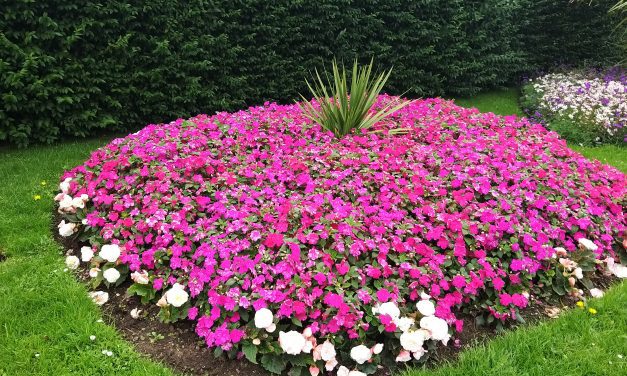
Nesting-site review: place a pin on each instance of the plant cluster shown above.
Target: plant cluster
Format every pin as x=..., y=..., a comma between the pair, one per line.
x=78, y=68
x=306, y=252
x=583, y=107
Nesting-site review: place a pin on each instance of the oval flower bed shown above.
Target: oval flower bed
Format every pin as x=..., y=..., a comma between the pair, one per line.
x=308, y=253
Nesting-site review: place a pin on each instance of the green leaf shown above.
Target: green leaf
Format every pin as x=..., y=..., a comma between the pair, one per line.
x=273, y=363
x=250, y=351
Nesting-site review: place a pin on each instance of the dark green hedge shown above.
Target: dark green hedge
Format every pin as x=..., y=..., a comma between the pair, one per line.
x=72, y=68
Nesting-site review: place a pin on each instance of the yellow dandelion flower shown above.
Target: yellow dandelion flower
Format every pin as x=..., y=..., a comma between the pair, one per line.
x=580, y=304
x=593, y=311
x=37, y=197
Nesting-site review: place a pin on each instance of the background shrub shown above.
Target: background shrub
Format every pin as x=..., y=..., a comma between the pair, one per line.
x=74, y=68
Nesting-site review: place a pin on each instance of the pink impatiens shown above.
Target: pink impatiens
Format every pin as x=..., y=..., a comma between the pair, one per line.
x=264, y=229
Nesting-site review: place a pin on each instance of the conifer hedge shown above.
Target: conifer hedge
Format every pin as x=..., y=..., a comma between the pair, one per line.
x=74, y=68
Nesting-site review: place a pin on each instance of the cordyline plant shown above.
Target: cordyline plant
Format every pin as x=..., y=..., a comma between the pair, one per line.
x=341, y=110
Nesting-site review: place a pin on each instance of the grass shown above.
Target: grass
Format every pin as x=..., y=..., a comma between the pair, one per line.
x=46, y=318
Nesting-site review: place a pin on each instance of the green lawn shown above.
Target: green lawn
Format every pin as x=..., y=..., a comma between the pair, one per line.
x=46, y=318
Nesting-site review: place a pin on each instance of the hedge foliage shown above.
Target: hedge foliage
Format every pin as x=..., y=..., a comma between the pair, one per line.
x=73, y=68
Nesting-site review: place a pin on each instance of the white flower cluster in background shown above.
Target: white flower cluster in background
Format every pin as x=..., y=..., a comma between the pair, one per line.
x=602, y=101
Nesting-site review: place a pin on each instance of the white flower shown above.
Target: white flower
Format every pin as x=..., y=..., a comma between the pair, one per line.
x=135, y=313
x=356, y=373
x=418, y=354
x=578, y=273
x=438, y=328
x=64, y=186
x=330, y=364
x=140, y=277
x=177, y=296
x=271, y=328
x=256, y=342
x=86, y=254
x=162, y=302
x=588, y=244
x=425, y=296
x=110, y=252
x=426, y=308
x=404, y=323
x=618, y=270
x=292, y=342
x=93, y=272
x=342, y=371
x=376, y=349
x=403, y=356
x=111, y=275
x=77, y=202
x=596, y=293
x=327, y=351
x=84, y=197
x=307, y=332
x=308, y=345
x=66, y=229
x=361, y=354
x=412, y=341
x=65, y=204
x=390, y=309
x=99, y=297
x=92, y=338
x=263, y=318
x=72, y=262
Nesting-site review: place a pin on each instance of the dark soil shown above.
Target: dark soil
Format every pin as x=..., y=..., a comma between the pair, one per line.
x=3, y=257
x=179, y=347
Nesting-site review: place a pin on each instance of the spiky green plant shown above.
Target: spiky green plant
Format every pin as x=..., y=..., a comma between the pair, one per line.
x=342, y=109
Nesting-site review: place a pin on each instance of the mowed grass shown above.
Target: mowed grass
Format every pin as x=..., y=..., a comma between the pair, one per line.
x=46, y=317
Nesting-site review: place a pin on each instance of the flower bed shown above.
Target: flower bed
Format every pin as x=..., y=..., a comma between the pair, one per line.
x=301, y=251
x=584, y=107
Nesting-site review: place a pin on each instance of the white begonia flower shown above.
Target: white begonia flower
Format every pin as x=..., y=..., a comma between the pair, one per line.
x=437, y=327
x=86, y=254
x=135, y=313
x=361, y=354
x=110, y=252
x=256, y=342
x=177, y=296
x=162, y=302
x=390, y=309
x=263, y=318
x=307, y=332
x=308, y=346
x=330, y=364
x=271, y=328
x=356, y=373
x=66, y=203
x=66, y=229
x=77, y=202
x=72, y=262
x=588, y=244
x=292, y=342
x=93, y=272
x=403, y=356
x=578, y=273
x=426, y=307
x=84, y=197
x=404, y=323
x=64, y=186
x=425, y=296
x=376, y=349
x=140, y=277
x=342, y=371
x=99, y=297
x=418, y=354
x=111, y=275
x=413, y=340
x=327, y=351
x=596, y=293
